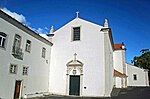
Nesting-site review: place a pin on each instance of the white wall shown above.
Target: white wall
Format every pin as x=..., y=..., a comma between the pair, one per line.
x=109, y=69
x=119, y=60
x=142, y=78
x=90, y=51
x=38, y=75
x=118, y=83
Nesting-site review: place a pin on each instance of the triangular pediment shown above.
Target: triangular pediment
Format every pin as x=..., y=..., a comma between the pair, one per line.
x=76, y=20
x=74, y=63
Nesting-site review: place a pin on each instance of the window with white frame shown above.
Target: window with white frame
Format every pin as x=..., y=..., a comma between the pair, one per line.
x=13, y=69
x=17, y=41
x=2, y=39
x=43, y=52
x=25, y=70
x=76, y=34
x=16, y=50
x=28, y=46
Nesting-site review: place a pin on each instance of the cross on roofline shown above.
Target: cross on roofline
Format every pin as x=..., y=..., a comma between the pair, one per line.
x=77, y=14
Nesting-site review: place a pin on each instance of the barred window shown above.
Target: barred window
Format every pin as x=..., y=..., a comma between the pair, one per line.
x=76, y=33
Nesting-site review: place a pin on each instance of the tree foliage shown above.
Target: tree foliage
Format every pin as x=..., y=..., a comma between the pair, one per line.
x=142, y=61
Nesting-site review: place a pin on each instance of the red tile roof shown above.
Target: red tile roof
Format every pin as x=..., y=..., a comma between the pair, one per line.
x=118, y=46
x=118, y=74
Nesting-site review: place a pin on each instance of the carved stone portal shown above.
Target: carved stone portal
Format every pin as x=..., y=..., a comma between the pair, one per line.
x=74, y=67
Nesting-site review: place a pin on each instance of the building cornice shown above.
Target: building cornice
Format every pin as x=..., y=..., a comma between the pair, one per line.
x=24, y=28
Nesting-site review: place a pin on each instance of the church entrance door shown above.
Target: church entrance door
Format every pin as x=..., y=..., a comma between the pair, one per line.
x=74, y=87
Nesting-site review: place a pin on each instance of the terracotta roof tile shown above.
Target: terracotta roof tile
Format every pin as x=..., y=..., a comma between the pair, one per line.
x=118, y=46
x=118, y=74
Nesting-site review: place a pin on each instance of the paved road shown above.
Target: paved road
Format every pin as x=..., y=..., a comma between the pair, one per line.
x=129, y=93
x=134, y=93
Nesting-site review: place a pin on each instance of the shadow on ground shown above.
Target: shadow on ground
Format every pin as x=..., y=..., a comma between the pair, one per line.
x=128, y=93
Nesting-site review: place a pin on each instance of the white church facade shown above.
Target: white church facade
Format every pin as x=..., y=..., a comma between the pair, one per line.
x=92, y=64
x=78, y=59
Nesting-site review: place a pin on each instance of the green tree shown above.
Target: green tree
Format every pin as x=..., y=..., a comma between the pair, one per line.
x=142, y=61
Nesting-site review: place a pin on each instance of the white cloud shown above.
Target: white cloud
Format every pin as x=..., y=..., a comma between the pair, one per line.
x=40, y=30
x=18, y=17
x=22, y=19
x=46, y=28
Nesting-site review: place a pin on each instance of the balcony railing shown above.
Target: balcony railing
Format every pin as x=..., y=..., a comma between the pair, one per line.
x=17, y=52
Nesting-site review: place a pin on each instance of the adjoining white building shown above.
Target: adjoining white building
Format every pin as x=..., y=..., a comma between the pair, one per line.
x=126, y=74
x=137, y=76
x=83, y=61
x=24, y=60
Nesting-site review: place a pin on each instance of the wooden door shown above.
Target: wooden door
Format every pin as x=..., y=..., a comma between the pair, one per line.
x=17, y=89
x=74, y=87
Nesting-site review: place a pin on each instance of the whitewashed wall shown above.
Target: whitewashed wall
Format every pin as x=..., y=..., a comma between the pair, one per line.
x=37, y=79
x=119, y=61
x=90, y=51
x=109, y=69
x=142, y=76
x=119, y=58
x=118, y=83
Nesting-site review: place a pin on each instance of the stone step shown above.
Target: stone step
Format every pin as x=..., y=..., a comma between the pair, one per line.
x=115, y=92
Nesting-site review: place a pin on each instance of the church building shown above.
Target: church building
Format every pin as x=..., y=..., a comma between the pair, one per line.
x=79, y=59
x=86, y=62
x=82, y=59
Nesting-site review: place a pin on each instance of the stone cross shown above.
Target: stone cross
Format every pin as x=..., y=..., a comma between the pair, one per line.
x=77, y=14
x=75, y=55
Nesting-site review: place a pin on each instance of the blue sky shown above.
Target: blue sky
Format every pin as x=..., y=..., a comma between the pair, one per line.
x=129, y=19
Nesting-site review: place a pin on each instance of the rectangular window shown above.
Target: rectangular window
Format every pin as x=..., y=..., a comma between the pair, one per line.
x=43, y=52
x=13, y=69
x=25, y=70
x=134, y=76
x=17, y=41
x=28, y=46
x=17, y=51
x=76, y=33
x=2, y=39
